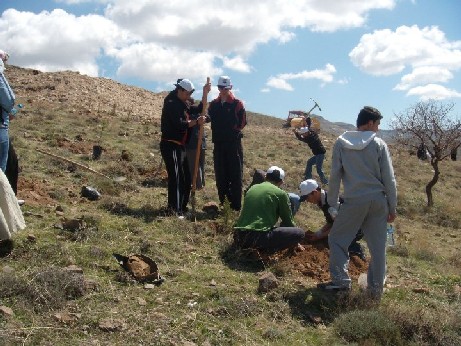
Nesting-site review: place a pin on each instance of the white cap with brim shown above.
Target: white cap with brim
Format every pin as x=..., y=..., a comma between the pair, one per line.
x=276, y=172
x=303, y=130
x=307, y=187
x=186, y=85
x=225, y=82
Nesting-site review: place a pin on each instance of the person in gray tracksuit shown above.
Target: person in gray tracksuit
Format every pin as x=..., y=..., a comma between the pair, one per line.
x=363, y=163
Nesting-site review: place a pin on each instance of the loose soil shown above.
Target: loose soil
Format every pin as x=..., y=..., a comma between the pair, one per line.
x=313, y=262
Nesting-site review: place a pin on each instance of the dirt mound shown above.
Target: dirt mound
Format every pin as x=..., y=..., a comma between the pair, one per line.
x=314, y=261
x=33, y=192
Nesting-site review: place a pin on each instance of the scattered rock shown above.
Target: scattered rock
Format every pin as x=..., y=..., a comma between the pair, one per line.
x=142, y=301
x=74, y=269
x=267, y=282
x=67, y=317
x=110, y=325
x=211, y=208
x=90, y=193
x=90, y=285
x=72, y=225
x=32, y=238
x=213, y=283
x=420, y=290
x=5, y=311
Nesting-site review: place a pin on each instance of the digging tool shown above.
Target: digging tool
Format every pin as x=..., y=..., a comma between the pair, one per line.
x=89, y=169
x=316, y=105
x=197, y=153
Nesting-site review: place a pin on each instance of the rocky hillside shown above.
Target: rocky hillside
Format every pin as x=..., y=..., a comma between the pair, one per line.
x=82, y=94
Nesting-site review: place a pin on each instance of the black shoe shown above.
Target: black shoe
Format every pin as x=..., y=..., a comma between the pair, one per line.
x=6, y=247
x=332, y=287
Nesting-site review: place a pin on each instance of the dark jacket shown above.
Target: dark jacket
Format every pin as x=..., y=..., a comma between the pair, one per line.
x=174, y=121
x=227, y=119
x=313, y=141
x=323, y=204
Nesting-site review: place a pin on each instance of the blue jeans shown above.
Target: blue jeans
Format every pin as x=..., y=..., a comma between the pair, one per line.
x=294, y=202
x=316, y=160
x=4, y=146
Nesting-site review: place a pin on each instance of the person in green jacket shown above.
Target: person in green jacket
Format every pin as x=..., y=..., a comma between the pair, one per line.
x=264, y=204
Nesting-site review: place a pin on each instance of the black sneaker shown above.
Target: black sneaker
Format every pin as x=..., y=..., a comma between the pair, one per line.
x=332, y=287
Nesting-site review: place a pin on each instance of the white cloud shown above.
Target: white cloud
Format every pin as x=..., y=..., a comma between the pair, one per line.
x=219, y=33
x=427, y=52
x=154, y=62
x=237, y=64
x=385, y=52
x=281, y=81
x=52, y=41
x=433, y=91
x=265, y=90
x=423, y=75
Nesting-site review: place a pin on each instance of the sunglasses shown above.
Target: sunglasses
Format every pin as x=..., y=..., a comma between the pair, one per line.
x=220, y=87
x=189, y=92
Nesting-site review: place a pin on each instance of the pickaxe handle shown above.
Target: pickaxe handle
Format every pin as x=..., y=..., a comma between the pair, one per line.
x=199, y=141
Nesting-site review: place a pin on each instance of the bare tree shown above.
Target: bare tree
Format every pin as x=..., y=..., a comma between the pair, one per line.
x=429, y=124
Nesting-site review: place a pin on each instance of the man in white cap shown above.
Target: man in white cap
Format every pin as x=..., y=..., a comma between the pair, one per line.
x=176, y=126
x=228, y=117
x=311, y=192
x=263, y=205
x=362, y=162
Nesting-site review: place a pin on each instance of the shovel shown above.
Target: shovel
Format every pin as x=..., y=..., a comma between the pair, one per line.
x=197, y=153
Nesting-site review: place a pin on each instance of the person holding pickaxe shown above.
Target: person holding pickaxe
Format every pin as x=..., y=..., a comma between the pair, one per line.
x=176, y=126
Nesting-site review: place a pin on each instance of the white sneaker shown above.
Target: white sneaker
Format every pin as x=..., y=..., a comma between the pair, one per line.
x=21, y=202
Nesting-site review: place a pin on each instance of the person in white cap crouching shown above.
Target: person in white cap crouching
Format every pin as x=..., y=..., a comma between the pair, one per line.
x=263, y=205
x=311, y=192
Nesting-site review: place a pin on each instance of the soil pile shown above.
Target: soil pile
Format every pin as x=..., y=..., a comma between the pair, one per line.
x=314, y=262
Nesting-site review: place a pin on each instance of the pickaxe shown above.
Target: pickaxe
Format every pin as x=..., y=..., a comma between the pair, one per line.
x=316, y=105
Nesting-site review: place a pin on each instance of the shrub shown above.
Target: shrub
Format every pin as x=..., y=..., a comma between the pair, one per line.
x=370, y=327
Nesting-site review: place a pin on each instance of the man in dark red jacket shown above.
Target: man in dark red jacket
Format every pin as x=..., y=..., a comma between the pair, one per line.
x=176, y=127
x=228, y=117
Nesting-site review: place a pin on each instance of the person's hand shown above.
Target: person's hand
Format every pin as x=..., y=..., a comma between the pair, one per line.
x=391, y=217
x=201, y=120
x=206, y=88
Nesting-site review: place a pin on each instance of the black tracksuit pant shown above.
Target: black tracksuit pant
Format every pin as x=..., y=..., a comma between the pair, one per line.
x=12, y=169
x=179, y=178
x=228, y=167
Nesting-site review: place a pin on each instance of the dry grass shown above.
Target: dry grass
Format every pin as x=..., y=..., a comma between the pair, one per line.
x=209, y=296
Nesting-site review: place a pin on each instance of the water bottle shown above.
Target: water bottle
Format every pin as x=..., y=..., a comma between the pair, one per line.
x=390, y=235
x=15, y=110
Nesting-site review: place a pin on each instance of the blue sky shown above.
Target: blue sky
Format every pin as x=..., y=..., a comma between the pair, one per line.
x=345, y=54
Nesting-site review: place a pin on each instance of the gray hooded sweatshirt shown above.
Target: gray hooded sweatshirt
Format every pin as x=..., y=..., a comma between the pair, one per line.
x=362, y=161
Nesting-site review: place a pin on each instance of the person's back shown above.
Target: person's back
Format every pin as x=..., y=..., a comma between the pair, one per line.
x=363, y=163
x=263, y=204
x=365, y=167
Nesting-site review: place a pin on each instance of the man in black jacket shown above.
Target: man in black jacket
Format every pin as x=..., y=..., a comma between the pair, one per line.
x=176, y=127
x=306, y=135
x=228, y=117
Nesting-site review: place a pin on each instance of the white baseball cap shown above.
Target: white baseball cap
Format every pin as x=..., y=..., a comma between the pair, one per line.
x=185, y=84
x=225, y=82
x=308, y=186
x=276, y=172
